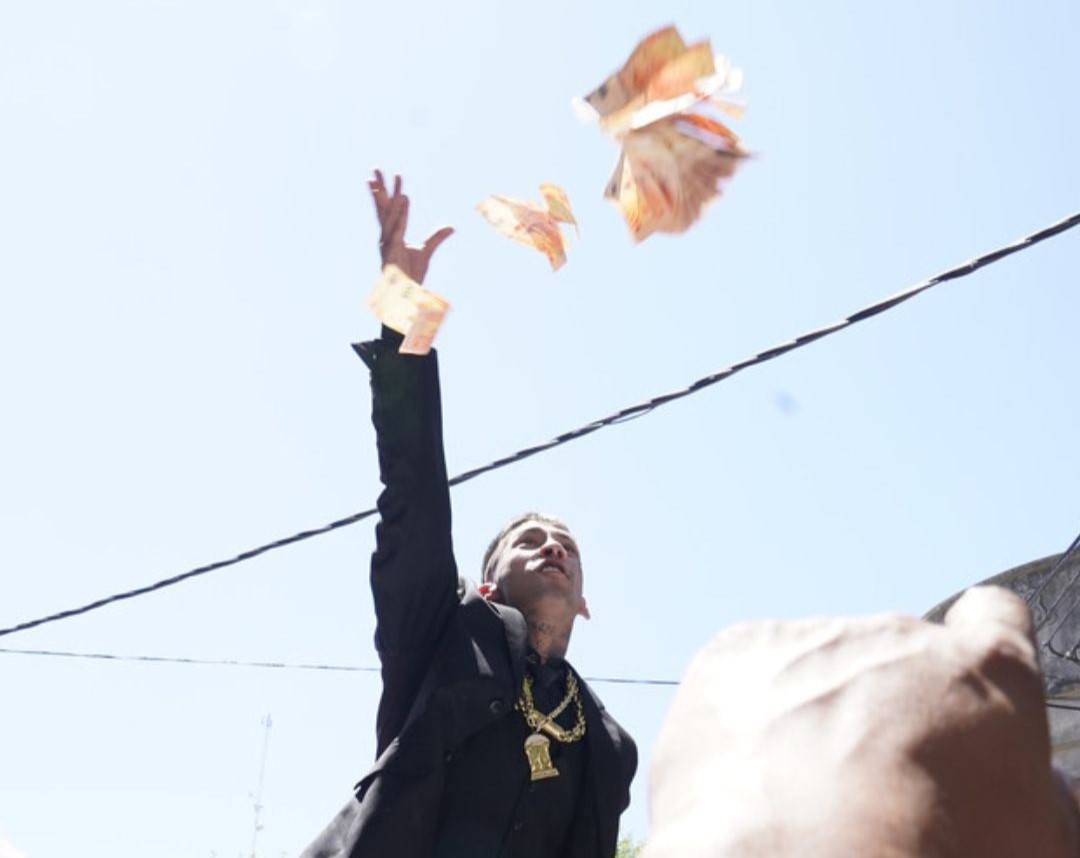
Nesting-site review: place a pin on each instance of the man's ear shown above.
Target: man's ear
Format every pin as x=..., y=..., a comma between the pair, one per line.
x=490, y=592
x=583, y=609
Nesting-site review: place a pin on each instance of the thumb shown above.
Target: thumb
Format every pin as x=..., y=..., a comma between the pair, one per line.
x=987, y=604
x=435, y=239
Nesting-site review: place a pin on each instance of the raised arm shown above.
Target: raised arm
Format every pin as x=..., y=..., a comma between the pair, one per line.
x=413, y=574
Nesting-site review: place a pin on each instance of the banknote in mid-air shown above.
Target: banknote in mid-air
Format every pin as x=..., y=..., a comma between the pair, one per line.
x=400, y=303
x=660, y=107
x=531, y=223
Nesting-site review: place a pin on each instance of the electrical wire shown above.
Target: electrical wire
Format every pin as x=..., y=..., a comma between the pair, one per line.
x=627, y=413
x=274, y=665
x=1057, y=704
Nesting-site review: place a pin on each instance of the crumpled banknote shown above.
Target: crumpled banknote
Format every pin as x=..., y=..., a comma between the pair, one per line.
x=675, y=154
x=400, y=303
x=533, y=224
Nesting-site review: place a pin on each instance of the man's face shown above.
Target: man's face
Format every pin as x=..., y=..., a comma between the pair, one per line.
x=535, y=561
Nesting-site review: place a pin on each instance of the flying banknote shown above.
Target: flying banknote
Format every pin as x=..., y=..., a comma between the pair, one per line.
x=533, y=224
x=400, y=303
x=660, y=106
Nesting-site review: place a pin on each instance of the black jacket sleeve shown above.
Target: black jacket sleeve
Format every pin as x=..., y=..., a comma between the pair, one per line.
x=413, y=574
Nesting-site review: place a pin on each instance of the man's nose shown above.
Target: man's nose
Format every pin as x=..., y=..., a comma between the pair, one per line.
x=553, y=549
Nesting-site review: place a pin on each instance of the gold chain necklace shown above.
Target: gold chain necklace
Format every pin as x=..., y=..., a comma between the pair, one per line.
x=537, y=746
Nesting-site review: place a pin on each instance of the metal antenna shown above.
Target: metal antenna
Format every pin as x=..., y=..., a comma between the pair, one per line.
x=267, y=723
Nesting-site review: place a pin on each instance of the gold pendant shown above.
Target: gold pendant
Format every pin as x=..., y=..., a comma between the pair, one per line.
x=539, y=755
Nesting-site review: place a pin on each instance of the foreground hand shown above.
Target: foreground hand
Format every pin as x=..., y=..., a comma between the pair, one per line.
x=881, y=736
x=392, y=209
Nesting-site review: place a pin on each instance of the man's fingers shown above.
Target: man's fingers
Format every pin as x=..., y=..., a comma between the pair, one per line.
x=981, y=605
x=399, y=215
x=378, y=195
x=394, y=221
x=377, y=186
x=397, y=185
x=436, y=238
x=996, y=620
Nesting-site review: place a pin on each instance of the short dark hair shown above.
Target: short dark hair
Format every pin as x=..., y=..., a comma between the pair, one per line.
x=521, y=519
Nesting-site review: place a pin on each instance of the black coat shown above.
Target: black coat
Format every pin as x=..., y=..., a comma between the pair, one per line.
x=452, y=662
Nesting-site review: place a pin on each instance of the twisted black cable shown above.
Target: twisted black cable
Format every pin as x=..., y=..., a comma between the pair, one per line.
x=276, y=665
x=628, y=413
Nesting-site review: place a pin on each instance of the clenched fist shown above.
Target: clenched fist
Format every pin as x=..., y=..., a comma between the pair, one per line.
x=878, y=737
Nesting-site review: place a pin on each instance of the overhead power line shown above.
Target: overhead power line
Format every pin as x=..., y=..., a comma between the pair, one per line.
x=273, y=665
x=628, y=413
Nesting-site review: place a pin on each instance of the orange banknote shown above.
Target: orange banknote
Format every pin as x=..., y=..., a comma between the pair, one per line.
x=531, y=223
x=400, y=303
x=676, y=153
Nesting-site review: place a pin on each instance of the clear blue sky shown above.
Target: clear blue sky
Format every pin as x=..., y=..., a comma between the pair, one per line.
x=186, y=243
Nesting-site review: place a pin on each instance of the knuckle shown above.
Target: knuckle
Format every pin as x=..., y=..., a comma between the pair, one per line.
x=1001, y=646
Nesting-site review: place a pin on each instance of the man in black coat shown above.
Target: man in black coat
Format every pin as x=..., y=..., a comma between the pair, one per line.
x=488, y=742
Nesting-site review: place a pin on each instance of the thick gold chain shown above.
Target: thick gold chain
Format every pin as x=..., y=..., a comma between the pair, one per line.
x=539, y=721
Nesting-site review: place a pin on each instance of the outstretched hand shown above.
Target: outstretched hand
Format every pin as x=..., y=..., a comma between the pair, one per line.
x=392, y=209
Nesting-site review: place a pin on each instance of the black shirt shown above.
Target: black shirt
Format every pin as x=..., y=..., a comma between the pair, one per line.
x=491, y=808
